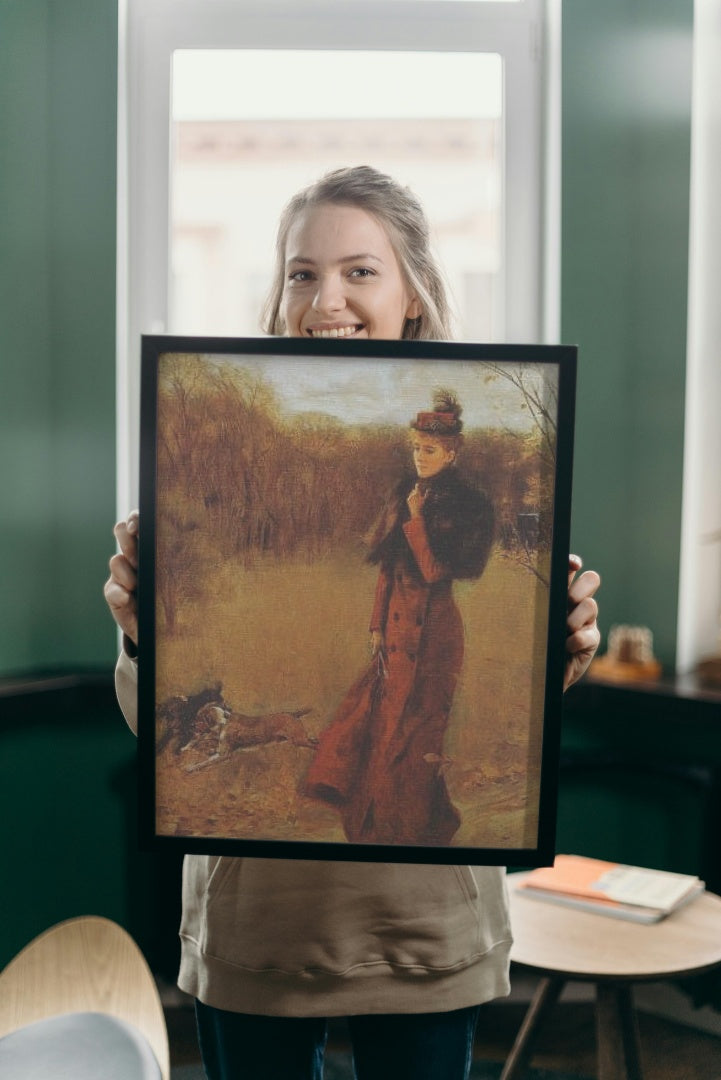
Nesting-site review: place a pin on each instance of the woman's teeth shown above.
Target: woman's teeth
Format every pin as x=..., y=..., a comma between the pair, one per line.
x=337, y=331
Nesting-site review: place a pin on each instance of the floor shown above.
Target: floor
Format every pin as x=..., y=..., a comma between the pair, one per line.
x=669, y=1050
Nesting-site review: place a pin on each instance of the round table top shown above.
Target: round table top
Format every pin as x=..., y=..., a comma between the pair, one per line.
x=559, y=940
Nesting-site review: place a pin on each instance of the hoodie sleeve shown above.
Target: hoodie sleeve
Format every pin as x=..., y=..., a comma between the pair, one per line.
x=126, y=689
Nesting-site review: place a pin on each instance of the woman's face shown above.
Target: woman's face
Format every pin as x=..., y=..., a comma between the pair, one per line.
x=342, y=277
x=430, y=456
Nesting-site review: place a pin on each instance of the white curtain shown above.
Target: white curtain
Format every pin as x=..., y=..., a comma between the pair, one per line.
x=700, y=582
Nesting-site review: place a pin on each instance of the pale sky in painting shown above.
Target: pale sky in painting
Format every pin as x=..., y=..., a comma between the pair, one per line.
x=386, y=392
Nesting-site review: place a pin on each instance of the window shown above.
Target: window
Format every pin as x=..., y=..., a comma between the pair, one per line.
x=227, y=107
x=235, y=161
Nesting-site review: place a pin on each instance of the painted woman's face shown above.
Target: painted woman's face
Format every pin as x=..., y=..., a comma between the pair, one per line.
x=342, y=277
x=430, y=456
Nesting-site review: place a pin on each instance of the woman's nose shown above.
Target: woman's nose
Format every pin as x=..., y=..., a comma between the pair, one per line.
x=329, y=296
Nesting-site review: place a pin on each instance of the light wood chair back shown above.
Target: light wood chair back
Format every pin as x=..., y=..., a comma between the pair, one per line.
x=87, y=964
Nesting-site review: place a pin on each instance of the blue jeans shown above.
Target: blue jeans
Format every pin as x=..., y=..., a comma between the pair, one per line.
x=414, y=1046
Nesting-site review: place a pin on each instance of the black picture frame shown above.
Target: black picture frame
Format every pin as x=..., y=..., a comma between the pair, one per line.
x=261, y=461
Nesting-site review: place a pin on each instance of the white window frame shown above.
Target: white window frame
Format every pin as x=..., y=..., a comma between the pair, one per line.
x=526, y=34
x=699, y=598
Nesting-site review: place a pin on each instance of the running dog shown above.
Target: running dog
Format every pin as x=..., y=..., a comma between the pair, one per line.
x=220, y=732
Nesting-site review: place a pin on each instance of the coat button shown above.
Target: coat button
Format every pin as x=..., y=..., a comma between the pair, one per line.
x=419, y=621
x=392, y=648
x=412, y=657
x=396, y=616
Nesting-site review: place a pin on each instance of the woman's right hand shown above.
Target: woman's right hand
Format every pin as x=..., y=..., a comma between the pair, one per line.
x=122, y=585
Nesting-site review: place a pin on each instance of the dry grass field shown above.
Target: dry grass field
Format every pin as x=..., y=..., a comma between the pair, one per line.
x=291, y=635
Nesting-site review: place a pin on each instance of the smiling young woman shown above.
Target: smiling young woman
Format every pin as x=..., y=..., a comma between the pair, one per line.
x=271, y=947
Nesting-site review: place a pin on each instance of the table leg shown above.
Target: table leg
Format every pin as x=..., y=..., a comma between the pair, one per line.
x=545, y=997
x=617, y=1033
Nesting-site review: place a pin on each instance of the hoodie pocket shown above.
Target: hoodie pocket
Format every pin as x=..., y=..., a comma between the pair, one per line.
x=468, y=884
x=295, y=916
x=203, y=876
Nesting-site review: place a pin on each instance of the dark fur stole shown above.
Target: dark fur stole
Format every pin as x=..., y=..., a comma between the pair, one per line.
x=459, y=523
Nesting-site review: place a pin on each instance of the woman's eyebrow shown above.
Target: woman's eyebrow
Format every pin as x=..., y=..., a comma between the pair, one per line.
x=361, y=257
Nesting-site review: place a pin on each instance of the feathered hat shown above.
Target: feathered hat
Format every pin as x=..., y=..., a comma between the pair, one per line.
x=444, y=418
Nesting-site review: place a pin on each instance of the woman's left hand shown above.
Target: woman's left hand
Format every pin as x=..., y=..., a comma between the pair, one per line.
x=583, y=635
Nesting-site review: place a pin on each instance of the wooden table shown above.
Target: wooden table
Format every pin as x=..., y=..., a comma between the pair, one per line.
x=563, y=944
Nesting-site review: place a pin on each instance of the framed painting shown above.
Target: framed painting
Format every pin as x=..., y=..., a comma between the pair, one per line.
x=352, y=597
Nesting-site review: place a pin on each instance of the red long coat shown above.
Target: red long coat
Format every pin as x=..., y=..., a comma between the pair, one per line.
x=379, y=759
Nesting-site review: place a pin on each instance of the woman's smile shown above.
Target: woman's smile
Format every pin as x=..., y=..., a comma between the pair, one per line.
x=335, y=331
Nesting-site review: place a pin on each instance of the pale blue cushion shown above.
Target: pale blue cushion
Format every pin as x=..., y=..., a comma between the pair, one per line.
x=79, y=1046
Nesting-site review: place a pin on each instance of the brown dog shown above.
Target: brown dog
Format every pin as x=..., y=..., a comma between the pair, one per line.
x=176, y=717
x=220, y=732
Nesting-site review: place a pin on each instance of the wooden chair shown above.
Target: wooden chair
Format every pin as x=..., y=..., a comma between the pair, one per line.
x=83, y=985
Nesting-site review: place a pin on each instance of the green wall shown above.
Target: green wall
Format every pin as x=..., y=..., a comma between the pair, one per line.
x=69, y=804
x=625, y=201
x=58, y=72
x=66, y=759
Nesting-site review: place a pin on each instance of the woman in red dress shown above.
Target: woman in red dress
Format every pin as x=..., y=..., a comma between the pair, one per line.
x=379, y=759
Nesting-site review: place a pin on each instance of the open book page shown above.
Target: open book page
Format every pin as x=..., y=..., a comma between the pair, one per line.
x=652, y=888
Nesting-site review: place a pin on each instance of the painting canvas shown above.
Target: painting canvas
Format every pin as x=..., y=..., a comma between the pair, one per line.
x=353, y=573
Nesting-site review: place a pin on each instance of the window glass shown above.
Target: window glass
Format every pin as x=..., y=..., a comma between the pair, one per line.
x=251, y=127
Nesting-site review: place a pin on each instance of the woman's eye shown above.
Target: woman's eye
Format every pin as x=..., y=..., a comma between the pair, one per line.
x=362, y=272
x=299, y=276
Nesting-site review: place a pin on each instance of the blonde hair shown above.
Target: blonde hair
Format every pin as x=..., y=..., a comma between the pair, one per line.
x=403, y=217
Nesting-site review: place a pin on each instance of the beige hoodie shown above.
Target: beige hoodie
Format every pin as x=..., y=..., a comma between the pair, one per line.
x=285, y=937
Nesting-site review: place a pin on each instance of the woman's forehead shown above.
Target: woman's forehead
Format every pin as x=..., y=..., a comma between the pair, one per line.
x=337, y=230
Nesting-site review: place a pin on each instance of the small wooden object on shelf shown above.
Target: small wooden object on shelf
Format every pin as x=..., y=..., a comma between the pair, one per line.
x=629, y=657
x=708, y=671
